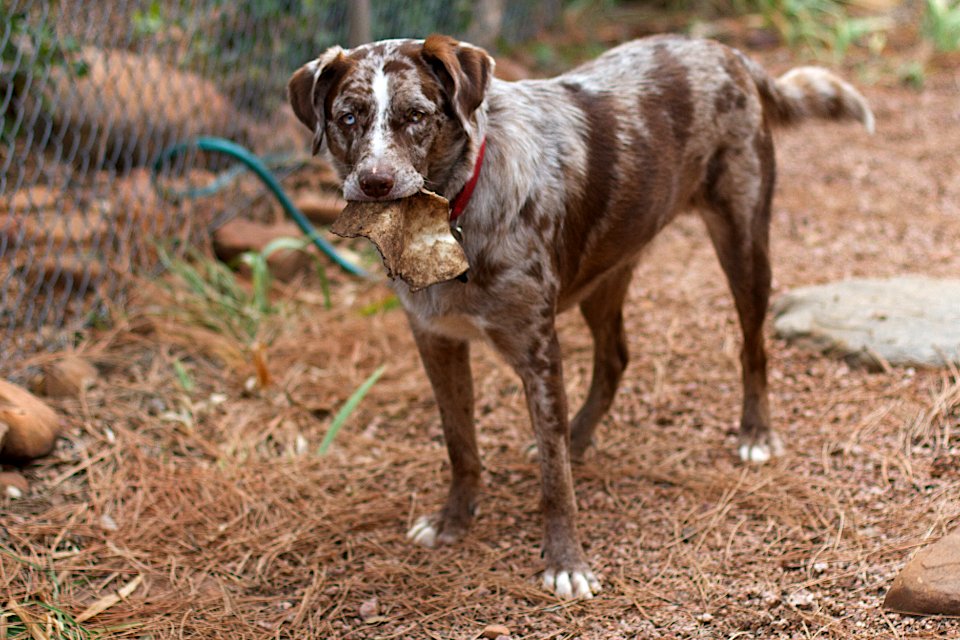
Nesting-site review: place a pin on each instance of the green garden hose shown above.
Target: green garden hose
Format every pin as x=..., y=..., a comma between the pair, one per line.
x=259, y=168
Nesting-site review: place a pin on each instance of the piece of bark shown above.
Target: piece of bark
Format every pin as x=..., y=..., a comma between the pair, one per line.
x=412, y=235
x=930, y=582
x=31, y=425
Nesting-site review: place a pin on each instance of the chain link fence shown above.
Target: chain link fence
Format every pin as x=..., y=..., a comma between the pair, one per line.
x=92, y=92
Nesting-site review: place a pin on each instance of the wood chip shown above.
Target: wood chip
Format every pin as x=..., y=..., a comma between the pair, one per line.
x=493, y=631
x=108, y=601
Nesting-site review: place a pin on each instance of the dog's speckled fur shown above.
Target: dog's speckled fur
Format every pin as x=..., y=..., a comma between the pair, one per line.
x=581, y=172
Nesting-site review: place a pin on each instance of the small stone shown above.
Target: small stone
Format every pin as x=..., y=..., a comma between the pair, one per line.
x=301, y=445
x=801, y=600
x=14, y=480
x=930, y=582
x=369, y=609
x=156, y=406
x=108, y=523
x=13, y=493
x=495, y=631
x=704, y=617
x=68, y=377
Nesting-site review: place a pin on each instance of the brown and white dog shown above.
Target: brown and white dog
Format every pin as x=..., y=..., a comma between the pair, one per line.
x=573, y=176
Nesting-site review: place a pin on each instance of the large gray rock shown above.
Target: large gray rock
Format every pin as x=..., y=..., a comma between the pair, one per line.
x=911, y=320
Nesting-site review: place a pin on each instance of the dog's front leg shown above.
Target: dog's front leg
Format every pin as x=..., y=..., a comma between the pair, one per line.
x=447, y=363
x=535, y=355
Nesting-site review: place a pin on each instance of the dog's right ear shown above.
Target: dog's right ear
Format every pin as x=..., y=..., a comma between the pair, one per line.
x=464, y=72
x=309, y=86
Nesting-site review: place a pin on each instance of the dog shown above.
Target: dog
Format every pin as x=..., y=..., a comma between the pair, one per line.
x=556, y=186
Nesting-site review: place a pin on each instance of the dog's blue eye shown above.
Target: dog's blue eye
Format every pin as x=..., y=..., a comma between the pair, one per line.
x=348, y=119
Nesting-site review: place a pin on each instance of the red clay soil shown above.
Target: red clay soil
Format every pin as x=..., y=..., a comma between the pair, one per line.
x=214, y=499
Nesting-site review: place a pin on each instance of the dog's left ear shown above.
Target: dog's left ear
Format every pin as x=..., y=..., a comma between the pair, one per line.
x=464, y=72
x=308, y=88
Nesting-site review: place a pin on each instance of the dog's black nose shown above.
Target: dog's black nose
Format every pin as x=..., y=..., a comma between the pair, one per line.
x=376, y=185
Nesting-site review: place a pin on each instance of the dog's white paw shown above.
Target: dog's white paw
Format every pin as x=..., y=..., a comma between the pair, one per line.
x=423, y=532
x=760, y=450
x=571, y=584
x=755, y=453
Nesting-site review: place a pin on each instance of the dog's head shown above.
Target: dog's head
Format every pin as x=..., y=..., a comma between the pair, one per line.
x=395, y=115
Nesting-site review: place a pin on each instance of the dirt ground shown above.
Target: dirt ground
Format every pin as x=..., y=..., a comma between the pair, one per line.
x=207, y=498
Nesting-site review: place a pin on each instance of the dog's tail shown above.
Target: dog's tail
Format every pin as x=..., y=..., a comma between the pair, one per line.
x=809, y=92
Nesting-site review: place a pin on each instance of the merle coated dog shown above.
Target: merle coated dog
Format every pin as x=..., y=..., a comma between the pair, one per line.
x=567, y=180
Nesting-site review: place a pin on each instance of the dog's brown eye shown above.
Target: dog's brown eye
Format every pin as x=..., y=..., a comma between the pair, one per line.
x=348, y=119
x=414, y=116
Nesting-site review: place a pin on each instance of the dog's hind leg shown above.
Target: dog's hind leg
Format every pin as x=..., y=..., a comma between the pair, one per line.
x=447, y=363
x=738, y=191
x=603, y=311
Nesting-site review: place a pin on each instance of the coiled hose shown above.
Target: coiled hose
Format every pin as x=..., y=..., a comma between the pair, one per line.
x=259, y=168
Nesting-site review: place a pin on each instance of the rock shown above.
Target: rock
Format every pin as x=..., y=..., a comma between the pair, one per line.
x=909, y=321
x=930, y=582
x=68, y=377
x=369, y=610
x=60, y=271
x=239, y=236
x=320, y=208
x=13, y=480
x=28, y=426
x=802, y=599
x=494, y=631
x=60, y=229
x=128, y=106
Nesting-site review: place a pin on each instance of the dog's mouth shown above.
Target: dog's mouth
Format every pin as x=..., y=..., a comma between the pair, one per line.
x=412, y=235
x=362, y=197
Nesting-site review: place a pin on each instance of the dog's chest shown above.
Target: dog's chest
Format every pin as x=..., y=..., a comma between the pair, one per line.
x=443, y=309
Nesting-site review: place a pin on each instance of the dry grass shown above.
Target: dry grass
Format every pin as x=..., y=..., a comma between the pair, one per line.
x=181, y=505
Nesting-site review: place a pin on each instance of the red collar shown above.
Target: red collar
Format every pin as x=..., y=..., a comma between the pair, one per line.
x=463, y=198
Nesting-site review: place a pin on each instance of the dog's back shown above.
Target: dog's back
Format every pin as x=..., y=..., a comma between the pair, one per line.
x=599, y=159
